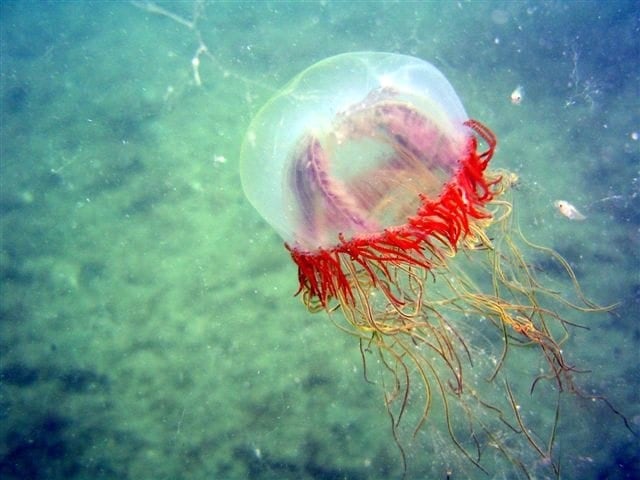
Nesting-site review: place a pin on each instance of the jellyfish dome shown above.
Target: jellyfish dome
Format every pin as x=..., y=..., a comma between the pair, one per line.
x=327, y=155
x=365, y=154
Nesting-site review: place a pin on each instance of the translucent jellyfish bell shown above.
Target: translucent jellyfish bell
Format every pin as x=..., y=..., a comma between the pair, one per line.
x=347, y=148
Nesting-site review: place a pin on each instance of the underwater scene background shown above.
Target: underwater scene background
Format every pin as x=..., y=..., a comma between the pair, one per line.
x=147, y=322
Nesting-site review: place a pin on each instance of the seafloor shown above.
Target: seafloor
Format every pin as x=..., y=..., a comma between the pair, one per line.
x=147, y=322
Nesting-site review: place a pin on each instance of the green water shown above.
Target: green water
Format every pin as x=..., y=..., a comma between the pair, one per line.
x=148, y=328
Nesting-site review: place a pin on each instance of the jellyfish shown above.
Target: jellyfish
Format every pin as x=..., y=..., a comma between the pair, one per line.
x=380, y=185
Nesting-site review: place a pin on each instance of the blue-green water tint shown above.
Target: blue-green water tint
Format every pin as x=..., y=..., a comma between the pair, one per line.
x=148, y=329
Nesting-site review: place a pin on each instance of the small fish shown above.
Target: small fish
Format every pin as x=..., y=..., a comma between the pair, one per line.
x=517, y=95
x=568, y=210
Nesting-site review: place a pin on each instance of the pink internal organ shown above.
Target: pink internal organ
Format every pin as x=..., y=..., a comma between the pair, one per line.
x=382, y=195
x=422, y=161
x=418, y=135
x=325, y=203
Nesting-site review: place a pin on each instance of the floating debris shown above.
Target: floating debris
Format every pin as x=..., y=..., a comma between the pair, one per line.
x=517, y=95
x=568, y=210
